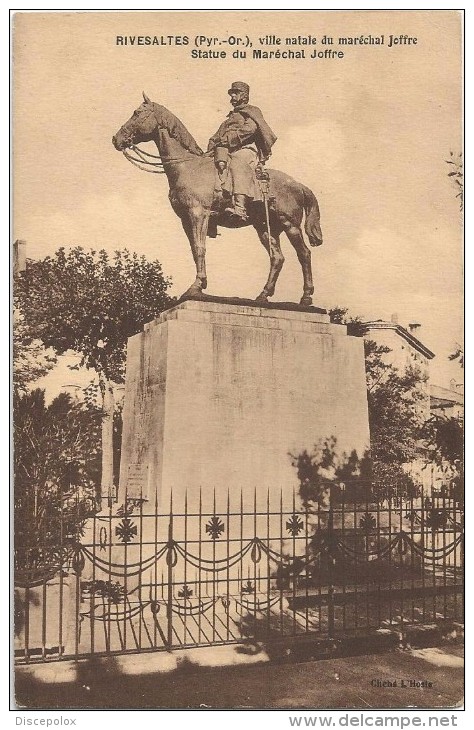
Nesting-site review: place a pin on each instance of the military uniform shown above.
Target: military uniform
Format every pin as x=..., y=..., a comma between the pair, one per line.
x=248, y=139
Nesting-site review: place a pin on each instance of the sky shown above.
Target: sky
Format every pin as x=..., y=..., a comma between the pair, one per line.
x=368, y=133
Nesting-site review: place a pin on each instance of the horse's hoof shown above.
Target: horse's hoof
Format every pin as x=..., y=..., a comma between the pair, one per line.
x=262, y=297
x=306, y=300
x=194, y=292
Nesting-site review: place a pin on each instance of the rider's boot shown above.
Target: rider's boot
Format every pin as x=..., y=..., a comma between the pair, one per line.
x=212, y=225
x=238, y=211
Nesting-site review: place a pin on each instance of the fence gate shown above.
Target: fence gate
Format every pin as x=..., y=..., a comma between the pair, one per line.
x=238, y=571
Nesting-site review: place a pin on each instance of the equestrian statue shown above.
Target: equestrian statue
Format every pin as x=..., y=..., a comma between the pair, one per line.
x=227, y=186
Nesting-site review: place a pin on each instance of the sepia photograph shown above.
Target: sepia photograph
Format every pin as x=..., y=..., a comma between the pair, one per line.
x=238, y=361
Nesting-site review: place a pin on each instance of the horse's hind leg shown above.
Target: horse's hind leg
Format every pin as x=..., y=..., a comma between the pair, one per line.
x=277, y=259
x=304, y=257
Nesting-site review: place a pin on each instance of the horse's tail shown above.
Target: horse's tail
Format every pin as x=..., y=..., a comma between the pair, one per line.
x=312, y=225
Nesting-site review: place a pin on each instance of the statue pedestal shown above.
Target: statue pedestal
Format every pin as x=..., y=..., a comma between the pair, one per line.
x=219, y=394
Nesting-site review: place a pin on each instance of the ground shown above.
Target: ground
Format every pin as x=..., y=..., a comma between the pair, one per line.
x=198, y=679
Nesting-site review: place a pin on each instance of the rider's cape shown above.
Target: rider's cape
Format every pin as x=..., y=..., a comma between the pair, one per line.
x=266, y=137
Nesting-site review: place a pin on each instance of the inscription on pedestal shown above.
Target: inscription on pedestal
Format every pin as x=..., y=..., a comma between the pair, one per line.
x=137, y=481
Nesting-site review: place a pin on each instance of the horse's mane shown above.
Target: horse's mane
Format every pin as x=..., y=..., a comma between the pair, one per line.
x=176, y=129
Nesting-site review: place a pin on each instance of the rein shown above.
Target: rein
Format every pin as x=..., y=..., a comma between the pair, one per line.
x=155, y=164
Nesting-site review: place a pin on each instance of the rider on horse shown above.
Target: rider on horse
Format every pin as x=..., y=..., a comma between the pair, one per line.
x=246, y=139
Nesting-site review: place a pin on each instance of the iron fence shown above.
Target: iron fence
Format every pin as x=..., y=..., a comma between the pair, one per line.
x=242, y=569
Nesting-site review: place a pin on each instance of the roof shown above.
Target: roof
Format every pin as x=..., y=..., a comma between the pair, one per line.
x=445, y=396
x=408, y=336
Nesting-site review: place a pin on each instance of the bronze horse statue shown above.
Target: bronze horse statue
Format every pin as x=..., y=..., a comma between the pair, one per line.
x=191, y=175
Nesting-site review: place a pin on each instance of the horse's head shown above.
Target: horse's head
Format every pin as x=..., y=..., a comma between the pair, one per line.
x=141, y=127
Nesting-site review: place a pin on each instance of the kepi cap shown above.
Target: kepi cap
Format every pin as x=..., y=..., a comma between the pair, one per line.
x=239, y=86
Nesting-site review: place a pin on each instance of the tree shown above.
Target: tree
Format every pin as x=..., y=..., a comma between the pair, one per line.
x=56, y=466
x=444, y=443
x=31, y=360
x=445, y=436
x=445, y=439
x=325, y=473
x=91, y=303
x=395, y=422
x=457, y=173
x=395, y=415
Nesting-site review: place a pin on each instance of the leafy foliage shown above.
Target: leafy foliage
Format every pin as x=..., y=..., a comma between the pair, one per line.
x=395, y=414
x=31, y=360
x=91, y=303
x=444, y=441
x=355, y=325
x=56, y=466
x=457, y=173
x=327, y=468
x=396, y=417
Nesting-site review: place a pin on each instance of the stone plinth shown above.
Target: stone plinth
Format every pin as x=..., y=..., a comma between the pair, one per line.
x=218, y=395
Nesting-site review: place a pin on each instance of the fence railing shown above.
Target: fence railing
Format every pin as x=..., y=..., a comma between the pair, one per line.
x=231, y=569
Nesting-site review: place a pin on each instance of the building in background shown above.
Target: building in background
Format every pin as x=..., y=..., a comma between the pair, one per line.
x=448, y=402
x=406, y=350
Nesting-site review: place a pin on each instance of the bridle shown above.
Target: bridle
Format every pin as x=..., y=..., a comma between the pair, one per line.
x=141, y=161
x=154, y=163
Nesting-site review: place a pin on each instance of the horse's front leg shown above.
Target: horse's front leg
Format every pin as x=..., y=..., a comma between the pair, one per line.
x=195, y=224
x=272, y=246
